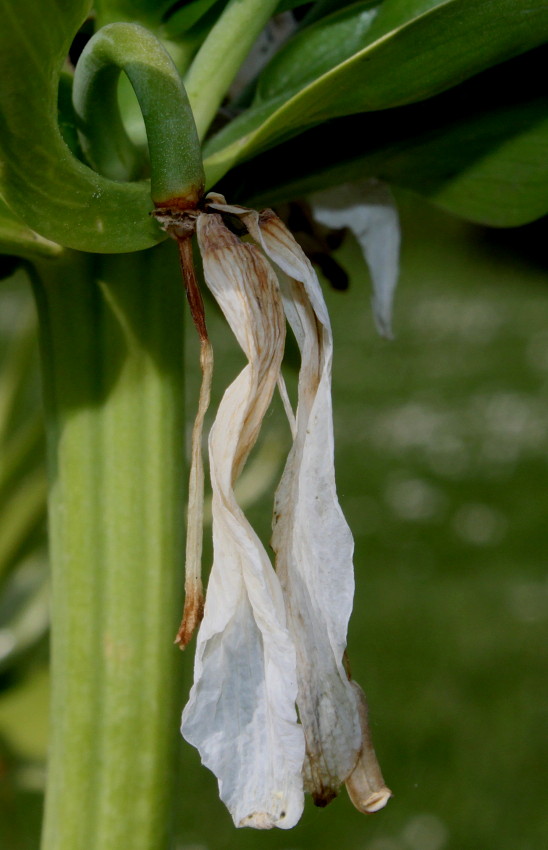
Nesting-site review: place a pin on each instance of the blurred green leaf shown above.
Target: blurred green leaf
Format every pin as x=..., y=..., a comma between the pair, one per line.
x=24, y=610
x=478, y=150
x=148, y=13
x=287, y=5
x=55, y=194
x=20, y=399
x=22, y=466
x=183, y=16
x=166, y=18
x=457, y=39
x=24, y=714
x=22, y=520
x=317, y=49
x=322, y=8
x=18, y=823
x=23, y=576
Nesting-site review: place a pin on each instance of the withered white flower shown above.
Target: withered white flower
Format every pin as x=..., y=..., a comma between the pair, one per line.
x=368, y=209
x=271, y=640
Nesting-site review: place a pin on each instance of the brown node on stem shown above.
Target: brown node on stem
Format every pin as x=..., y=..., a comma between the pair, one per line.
x=188, y=201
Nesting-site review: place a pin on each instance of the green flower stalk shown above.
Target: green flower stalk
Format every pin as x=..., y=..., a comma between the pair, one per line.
x=177, y=177
x=113, y=377
x=112, y=353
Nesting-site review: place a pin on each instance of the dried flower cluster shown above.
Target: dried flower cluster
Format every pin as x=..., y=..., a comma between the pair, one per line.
x=273, y=710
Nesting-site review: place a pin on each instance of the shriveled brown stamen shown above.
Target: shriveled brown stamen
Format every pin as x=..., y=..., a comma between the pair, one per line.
x=194, y=595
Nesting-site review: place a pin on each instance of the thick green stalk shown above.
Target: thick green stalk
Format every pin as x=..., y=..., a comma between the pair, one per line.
x=111, y=337
x=221, y=55
x=177, y=176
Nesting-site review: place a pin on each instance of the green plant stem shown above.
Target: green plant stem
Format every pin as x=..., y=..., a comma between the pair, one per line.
x=174, y=149
x=111, y=342
x=221, y=55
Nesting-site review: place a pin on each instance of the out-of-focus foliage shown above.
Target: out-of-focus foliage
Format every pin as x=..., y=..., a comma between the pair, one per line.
x=23, y=602
x=23, y=571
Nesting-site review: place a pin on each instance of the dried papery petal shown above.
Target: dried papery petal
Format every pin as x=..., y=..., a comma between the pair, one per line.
x=368, y=209
x=311, y=538
x=241, y=713
x=365, y=785
x=216, y=201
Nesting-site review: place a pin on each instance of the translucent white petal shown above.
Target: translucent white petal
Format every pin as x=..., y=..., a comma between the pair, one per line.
x=368, y=209
x=311, y=538
x=241, y=713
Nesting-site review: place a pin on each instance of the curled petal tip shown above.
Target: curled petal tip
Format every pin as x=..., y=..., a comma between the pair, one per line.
x=365, y=785
x=373, y=802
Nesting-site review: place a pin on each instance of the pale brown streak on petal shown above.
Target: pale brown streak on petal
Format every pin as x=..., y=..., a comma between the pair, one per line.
x=243, y=267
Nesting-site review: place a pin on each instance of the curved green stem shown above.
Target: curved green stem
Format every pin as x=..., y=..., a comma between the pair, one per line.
x=221, y=55
x=177, y=176
x=113, y=378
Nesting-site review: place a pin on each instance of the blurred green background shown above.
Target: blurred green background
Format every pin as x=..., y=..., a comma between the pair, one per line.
x=442, y=447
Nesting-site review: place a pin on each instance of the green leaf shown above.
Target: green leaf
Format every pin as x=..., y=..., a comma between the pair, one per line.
x=16, y=238
x=54, y=193
x=478, y=150
x=413, y=50
x=317, y=49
